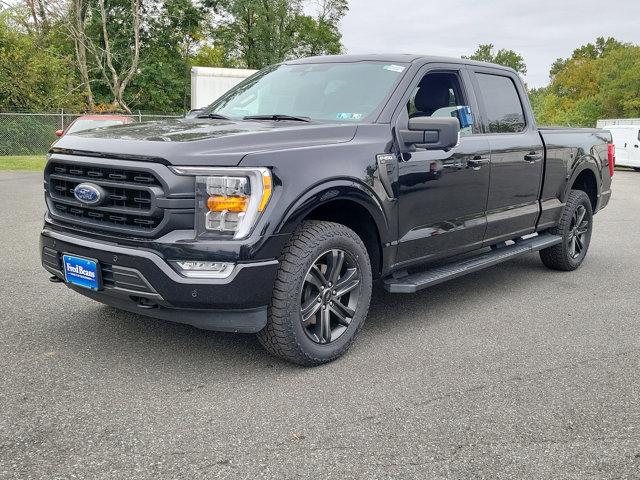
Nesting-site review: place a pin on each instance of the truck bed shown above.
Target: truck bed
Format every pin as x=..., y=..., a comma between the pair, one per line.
x=565, y=148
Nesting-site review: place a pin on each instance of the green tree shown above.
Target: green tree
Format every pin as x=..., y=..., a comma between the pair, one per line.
x=173, y=30
x=135, y=54
x=507, y=58
x=601, y=47
x=257, y=34
x=113, y=37
x=212, y=56
x=590, y=51
x=599, y=80
x=320, y=34
x=33, y=74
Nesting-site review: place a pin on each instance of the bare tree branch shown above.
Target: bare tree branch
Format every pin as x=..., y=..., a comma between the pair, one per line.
x=107, y=46
x=101, y=50
x=80, y=16
x=135, y=7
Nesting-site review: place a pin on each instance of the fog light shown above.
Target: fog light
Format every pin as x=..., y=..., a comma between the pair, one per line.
x=198, y=269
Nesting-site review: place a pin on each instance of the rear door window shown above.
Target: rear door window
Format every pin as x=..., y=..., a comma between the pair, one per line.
x=503, y=108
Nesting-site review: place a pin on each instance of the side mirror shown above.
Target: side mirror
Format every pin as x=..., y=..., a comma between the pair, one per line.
x=59, y=133
x=432, y=133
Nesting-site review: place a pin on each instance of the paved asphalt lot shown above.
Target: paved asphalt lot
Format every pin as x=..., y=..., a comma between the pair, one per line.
x=514, y=372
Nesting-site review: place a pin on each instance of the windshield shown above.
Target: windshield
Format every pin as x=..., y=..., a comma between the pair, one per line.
x=87, y=124
x=342, y=92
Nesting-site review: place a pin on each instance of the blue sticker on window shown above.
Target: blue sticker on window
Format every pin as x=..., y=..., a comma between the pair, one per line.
x=465, y=116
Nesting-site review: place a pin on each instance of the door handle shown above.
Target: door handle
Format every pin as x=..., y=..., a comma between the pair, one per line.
x=533, y=157
x=477, y=162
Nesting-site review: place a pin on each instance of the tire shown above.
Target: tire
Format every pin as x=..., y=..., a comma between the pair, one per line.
x=637, y=169
x=301, y=291
x=576, y=234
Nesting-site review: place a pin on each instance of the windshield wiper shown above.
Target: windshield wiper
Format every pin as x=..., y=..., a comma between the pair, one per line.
x=214, y=116
x=277, y=117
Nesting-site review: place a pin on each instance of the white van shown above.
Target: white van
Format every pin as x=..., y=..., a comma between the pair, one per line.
x=626, y=138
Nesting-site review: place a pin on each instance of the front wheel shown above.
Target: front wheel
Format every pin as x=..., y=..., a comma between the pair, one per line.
x=321, y=295
x=575, y=227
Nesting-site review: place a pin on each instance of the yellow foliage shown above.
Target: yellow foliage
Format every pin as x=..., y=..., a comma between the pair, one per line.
x=590, y=87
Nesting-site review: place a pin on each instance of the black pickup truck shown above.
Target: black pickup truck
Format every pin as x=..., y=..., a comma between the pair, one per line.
x=276, y=208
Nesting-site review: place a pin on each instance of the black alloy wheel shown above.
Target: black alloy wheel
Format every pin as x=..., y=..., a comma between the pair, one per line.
x=578, y=230
x=329, y=297
x=320, y=296
x=575, y=227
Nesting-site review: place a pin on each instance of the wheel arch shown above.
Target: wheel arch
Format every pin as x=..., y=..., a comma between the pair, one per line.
x=585, y=178
x=350, y=204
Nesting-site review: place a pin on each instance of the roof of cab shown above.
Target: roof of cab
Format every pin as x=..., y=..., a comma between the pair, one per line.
x=394, y=58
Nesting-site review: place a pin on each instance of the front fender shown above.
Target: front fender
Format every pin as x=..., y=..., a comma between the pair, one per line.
x=330, y=191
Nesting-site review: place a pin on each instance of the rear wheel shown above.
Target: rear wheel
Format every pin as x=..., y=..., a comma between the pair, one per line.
x=575, y=227
x=637, y=169
x=321, y=295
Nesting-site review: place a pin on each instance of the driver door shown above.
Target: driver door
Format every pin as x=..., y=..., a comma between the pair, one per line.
x=442, y=195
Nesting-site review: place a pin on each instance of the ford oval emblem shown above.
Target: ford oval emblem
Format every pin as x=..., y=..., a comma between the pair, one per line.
x=88, y=194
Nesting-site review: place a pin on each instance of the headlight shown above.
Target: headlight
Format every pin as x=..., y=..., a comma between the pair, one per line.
x=229, y=200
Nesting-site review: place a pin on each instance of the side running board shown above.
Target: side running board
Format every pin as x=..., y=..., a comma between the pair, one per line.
x=421, y=280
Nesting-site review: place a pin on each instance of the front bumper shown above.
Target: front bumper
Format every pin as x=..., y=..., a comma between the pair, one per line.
x=141, y=281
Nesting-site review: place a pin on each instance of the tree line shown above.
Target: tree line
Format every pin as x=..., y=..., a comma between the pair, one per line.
x=106, y=55
x=599, y=80
x=119, y=55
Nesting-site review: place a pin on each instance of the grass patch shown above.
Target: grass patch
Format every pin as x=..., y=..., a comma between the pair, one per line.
x=33, y=163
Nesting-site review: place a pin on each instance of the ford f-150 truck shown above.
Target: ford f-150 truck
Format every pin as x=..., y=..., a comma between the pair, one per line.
x=277, y=208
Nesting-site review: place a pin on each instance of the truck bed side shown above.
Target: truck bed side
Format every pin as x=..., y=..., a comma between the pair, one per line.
x=574, y=157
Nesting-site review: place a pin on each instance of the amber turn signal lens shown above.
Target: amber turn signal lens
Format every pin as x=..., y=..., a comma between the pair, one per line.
x=266, y=192
x=230, y=204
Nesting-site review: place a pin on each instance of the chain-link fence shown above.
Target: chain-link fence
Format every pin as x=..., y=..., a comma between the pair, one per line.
x=33, y=133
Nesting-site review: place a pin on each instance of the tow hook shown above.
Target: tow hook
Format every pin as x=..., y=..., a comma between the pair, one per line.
x=144, y=303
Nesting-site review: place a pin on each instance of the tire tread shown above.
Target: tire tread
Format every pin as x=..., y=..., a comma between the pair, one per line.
x=556, y=257
x=278, y=337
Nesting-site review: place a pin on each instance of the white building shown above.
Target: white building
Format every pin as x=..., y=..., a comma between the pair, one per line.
x=208, y=84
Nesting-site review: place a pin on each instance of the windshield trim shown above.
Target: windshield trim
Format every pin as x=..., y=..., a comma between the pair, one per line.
x=371, y=118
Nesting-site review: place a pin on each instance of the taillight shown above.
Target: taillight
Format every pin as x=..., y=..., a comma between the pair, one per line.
x=612, y=158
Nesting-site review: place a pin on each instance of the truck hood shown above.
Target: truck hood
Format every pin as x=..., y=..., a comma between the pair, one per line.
x=203, y=141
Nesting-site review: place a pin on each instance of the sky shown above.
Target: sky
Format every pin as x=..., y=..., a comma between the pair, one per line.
x=539, y=30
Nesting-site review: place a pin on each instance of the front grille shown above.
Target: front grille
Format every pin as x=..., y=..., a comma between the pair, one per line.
x=132, y=202
x=93, y=215
x=90, y=172
x=117, y=196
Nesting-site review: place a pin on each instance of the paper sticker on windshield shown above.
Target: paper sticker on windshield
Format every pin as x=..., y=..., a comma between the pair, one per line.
x=349, y=116
x=395, y=68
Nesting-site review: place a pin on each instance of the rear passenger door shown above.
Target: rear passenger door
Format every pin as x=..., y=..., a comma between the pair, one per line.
x=517, y=154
